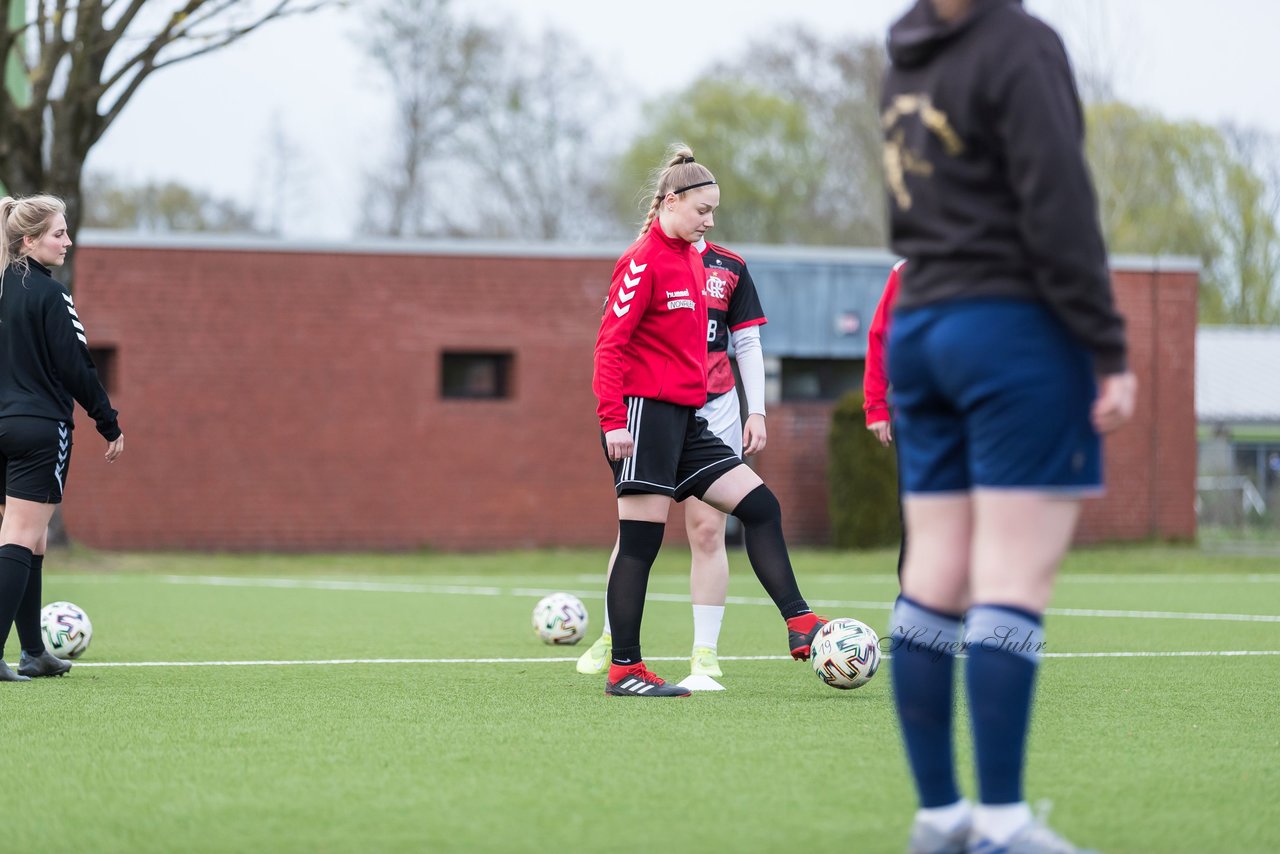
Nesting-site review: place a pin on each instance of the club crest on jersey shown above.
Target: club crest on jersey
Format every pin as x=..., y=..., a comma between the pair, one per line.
x=716, y=286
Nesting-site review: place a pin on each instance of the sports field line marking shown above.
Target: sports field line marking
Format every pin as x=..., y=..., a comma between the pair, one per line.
x=457, y=589
x=558, y=660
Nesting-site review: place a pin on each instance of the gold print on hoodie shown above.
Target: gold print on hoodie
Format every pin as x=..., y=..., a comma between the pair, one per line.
x=900, y=160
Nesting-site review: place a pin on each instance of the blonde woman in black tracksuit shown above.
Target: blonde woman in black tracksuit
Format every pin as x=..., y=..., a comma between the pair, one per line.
x=45, y=367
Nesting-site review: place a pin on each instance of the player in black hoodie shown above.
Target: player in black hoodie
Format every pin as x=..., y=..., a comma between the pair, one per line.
x=44, y=368
x=1004, y=319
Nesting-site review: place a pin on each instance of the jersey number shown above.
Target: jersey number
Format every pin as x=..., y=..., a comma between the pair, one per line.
x=711, y=331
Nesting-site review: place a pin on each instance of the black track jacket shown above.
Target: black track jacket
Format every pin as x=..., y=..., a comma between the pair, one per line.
x=44, y=355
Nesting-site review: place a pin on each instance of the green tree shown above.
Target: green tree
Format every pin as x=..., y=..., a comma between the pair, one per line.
x=862, y=481
x=837, y=82
x=759, y=145
x=1187, y=188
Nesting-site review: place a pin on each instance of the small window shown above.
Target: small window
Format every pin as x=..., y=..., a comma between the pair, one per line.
x=820, y=379
x=476, y=376
x=104, y=359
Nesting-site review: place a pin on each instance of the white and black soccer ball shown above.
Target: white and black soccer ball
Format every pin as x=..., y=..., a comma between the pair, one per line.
x=560, y=618
x=845, y=653
x=66, y=629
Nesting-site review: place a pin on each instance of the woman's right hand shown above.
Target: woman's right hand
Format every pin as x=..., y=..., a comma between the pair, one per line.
x=1114, y=405
x=115, y=448
x=883, y=432
x=619, y=444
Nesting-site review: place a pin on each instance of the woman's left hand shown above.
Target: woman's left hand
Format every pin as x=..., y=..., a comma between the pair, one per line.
x=753, y=435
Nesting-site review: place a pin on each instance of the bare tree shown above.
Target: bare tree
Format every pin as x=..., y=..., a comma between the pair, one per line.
x=434, y=63
x=535, y=145
x=82, y=61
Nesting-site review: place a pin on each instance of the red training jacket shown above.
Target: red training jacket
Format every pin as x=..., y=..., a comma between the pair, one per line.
x=875, y=380
x=653, y=338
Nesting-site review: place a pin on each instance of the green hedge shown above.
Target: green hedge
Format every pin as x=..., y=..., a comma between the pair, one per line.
x=862, y=479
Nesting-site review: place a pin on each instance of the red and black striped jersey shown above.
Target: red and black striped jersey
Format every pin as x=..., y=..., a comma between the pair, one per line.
x=732, y=304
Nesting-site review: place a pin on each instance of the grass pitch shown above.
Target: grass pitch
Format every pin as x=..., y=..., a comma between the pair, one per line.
x=171, y=736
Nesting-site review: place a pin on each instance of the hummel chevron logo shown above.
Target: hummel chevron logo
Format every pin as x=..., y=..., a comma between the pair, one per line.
x=627, y=291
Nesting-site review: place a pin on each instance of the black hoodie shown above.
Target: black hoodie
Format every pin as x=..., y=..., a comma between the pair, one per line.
x=989, y=193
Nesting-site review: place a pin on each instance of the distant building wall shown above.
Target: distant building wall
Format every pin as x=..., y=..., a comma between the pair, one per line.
x=291, y=400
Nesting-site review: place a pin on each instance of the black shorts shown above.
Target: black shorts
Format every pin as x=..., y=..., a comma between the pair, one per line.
x=675, y=452
x=35, y=454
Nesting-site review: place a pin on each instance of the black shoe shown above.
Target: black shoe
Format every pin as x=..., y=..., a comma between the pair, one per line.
x=638, y=681
x=44, y=664
x=7, y=675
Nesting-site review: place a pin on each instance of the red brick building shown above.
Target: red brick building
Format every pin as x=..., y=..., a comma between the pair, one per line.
x=399, y=396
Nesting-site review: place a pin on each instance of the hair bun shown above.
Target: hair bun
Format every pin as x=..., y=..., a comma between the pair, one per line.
x=688, y=158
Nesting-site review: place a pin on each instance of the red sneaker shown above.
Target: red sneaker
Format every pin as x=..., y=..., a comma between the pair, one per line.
x=636, y=680
x=800, y=634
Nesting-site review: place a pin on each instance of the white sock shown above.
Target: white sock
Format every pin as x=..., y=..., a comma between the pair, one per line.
x=999, y=822
x=706, y=625
x=945, y=819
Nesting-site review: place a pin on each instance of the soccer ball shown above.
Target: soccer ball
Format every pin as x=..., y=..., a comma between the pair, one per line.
x=845, y=653
x=66, y=629
x=560, y=618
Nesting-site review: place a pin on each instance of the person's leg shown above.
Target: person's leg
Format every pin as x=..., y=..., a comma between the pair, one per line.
x=641, y=523
x=596, y=658
x=21, y=532
x=740, y=492
x=27, y=619
x=924, y=637
x=1020, y=538
x=708, y=582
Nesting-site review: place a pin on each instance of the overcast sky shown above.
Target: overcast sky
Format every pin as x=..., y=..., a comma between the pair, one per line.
x=210, y=123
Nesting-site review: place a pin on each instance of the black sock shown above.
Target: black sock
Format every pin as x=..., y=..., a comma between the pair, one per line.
x=15, y=565
x=27, y=620
x=638, y=544
x=767, y=550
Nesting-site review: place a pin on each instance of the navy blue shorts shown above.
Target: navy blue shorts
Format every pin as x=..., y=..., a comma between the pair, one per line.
x=992, y=393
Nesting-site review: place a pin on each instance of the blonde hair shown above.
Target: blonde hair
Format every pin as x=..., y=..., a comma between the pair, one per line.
x=28, y=216
x=679, y=171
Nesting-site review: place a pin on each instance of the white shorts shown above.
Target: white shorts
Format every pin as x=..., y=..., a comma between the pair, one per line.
x=725, y=420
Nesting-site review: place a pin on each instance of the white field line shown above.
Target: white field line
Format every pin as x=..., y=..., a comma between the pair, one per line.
x=533, y=592
x=1065, y=578
x=350, y=661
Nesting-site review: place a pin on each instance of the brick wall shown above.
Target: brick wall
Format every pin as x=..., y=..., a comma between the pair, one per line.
x=291, y=400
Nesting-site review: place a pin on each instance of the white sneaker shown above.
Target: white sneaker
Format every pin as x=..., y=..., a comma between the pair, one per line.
x=1035, y=837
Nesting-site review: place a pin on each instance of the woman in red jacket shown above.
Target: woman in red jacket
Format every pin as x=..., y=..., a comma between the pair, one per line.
x=875, y=383
x=650, y=379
